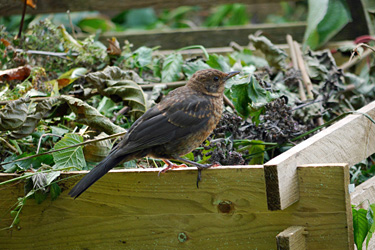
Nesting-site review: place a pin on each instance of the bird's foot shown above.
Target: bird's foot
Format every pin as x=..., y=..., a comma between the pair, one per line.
x=205, y=166
x=170, y=166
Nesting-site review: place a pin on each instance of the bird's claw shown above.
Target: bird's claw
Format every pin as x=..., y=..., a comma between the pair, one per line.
x=170, y=166
x=201, y=167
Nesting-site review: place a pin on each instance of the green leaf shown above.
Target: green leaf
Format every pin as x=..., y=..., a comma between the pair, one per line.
x=71, y=157
x=371, y=224
x=190, y=68
x=26, y=164
x=218, y=62
x=92, y=24
x=360, y=226
x=142, y=57
x=249, y=98
x=257, y=150
x=325, y=19
x=171, y=68
x=55, y=191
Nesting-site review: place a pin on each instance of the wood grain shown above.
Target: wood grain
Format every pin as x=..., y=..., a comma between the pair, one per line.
x=292, y=238
x=208, y=37
x=349, y=140
x=50, y=6
x=135, y=209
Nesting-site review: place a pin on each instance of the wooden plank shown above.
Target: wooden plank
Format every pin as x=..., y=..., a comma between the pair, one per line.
x=349, y=140
x=208, y=37
x=364, y=194
x=49, y=6
x=362, y=197
x=292, y=238
x=136, y=209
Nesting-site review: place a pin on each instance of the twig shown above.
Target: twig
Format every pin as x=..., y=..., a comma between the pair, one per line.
x=352, y=61
x=22, y=19
x=9, y=145
x=71, y=24
x=72, y=146
x=40, y=140
x=46, y=53
x=293, y=56
x=32, y=99
x=302, y=68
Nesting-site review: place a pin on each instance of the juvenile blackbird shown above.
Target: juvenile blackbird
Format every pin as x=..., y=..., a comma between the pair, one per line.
x=170, y=129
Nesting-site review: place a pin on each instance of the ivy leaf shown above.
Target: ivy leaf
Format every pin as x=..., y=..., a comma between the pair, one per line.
x=71, y=157
x=360, y=226
x=171, y=68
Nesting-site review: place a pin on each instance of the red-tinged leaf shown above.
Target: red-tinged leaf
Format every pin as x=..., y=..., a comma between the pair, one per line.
x=63, y=82
x=20, y=73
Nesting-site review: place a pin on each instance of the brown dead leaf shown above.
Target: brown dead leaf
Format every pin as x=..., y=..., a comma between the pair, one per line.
x=5, y=42
x=20, y=73
x=113, y=47
x=31, y=3
x=63, y=82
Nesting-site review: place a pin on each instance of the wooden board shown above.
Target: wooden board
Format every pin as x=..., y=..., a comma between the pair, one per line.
x=362, y=197
x=208, y=37
x=350, y=140
x=50, y=6
x=136, y=209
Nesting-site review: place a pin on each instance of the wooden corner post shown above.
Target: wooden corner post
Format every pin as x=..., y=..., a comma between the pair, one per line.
x=350, y=140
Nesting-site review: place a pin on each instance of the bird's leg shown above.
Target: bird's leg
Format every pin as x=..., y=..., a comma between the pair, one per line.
x=199, y=166
x=170, y=165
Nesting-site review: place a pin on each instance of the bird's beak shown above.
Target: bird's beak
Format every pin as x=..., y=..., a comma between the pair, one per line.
x=231, y=74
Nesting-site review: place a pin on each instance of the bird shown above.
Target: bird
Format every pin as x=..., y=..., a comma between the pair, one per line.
x=175, y=126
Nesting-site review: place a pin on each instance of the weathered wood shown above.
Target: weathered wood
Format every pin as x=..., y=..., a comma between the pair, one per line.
x=292, y=238
x=349, y=140
x=136, y=209
x=10, y=7
x=362, y=197
x=208, y=37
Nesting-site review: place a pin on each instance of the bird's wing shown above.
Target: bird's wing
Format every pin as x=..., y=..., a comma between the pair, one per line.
x=167, y=122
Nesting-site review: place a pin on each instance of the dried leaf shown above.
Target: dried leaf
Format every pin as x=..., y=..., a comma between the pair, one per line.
x=33, y=119
x=88, y=115
x=97, y=151
x=14, y=114
x=119, y=85
x=113, y=47
x=20, y=73
x=31, y=3
x=274, y=56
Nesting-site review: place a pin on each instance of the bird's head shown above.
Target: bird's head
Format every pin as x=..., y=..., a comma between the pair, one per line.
x=210, y=81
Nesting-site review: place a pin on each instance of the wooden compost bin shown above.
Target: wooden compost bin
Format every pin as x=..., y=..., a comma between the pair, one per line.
x=136, y=209
x=284, y=204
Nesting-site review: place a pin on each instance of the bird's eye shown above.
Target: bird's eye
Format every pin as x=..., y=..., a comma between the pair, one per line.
x=216, y=78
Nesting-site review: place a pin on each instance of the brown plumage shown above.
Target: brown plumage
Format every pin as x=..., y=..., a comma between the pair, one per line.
x=170, y=129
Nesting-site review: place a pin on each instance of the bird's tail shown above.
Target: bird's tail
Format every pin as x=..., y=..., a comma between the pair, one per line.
x=95, y=174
